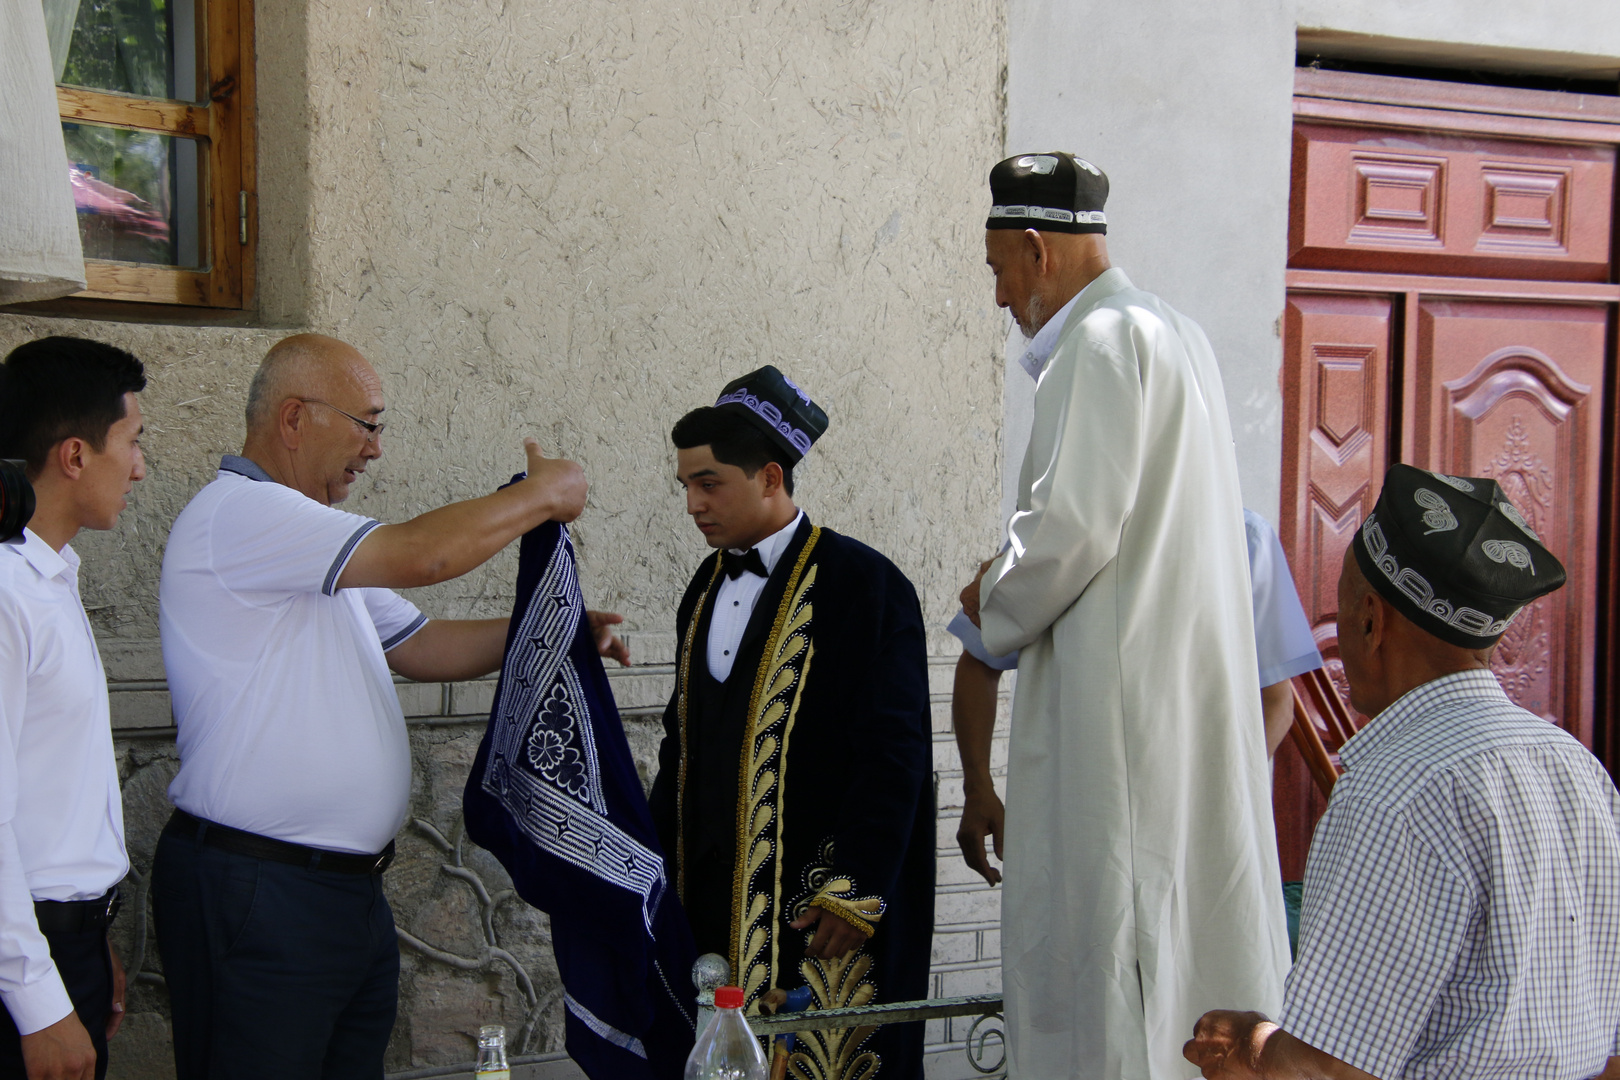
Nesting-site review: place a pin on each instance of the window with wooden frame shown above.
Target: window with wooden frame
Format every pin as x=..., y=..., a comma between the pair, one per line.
x=156, y=100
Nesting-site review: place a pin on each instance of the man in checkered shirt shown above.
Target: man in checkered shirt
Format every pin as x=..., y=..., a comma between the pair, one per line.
x=1462, y=897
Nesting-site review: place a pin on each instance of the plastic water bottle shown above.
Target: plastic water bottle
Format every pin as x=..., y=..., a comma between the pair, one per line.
x=726, y=1050
x=492, y=1054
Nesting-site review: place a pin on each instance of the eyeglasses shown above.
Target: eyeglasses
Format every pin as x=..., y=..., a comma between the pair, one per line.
x=373, y=430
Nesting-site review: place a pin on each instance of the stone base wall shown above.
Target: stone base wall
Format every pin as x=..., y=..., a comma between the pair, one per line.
x=473, y=953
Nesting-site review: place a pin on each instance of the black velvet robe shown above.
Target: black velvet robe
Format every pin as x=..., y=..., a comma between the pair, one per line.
x=833, y=667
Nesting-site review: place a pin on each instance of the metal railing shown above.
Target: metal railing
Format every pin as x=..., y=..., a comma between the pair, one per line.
x=985, y=1037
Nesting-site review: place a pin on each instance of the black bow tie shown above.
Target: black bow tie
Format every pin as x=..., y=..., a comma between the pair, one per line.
x=748, y=562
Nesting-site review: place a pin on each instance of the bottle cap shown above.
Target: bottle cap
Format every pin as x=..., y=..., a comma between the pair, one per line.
x=728, y=997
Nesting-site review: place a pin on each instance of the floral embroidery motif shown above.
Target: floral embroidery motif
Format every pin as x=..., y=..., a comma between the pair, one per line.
x=1437, y=514
x=836, y=895
x=542, y=762
x=835, y=1054
x=551, y=744
x=772, y=708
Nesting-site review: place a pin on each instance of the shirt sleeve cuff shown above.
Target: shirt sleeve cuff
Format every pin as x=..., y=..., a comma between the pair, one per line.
x=38, y=1005
x=1276, y=673
x=345, y=553
x=405, y=634
x=963, y=629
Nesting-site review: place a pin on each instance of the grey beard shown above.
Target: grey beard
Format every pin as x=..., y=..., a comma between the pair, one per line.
x=1033, y=317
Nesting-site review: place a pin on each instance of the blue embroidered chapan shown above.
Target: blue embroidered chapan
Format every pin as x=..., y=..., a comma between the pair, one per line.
x=554, y=795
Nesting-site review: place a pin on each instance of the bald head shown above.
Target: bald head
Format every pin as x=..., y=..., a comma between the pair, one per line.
x=314, y=416
x=306, y=366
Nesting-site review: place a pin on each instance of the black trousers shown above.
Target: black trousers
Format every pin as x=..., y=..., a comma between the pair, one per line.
x=275, y=972
x=82, y=961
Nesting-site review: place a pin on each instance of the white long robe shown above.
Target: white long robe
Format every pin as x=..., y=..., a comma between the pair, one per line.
x=1141, y=879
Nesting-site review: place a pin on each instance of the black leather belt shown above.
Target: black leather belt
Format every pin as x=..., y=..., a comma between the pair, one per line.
x=76, y=916
x=240, y=842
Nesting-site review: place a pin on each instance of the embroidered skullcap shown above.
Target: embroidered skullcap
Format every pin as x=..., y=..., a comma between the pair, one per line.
x=1453, y=555
x=775, y=404
x=1053, y=192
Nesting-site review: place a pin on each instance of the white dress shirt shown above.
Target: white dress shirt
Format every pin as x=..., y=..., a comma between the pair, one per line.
x=735, y=599
x=1045, y=340
x=61, y=818
x=288, y=722
x=1462, y=900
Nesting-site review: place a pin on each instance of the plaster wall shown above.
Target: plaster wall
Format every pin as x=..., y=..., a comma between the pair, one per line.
x=578, y=220
x=1187, y=107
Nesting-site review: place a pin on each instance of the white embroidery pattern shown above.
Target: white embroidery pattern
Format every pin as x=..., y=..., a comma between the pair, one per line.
x=1506, y=551
x=1416, y=588
x=542, y=763
x=1436, y=514
x=1511, y=512
x=1455, y=481
x=1039, y=164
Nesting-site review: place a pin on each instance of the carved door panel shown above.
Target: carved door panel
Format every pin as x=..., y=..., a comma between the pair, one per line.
x=1452, y=304
x=1336, y=381
x=1513, y=391
x=1338, y=349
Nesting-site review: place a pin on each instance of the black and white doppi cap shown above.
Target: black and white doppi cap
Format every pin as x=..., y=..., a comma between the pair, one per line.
x=774, y=403
x=1053, y=192
x=1453, y=555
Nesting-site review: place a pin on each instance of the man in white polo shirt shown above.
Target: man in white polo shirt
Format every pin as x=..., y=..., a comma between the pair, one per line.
x=279, y=632
x=68, y=411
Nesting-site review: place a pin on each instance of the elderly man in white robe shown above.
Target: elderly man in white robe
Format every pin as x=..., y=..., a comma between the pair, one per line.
x=1141, y=874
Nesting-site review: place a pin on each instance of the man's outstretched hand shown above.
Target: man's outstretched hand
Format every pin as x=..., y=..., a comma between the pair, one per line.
x=608, y=644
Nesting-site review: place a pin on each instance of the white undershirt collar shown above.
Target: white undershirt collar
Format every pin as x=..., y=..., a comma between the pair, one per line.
x=1045, y=340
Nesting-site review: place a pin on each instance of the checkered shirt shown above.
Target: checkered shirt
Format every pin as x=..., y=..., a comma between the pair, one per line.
x=1462, y=899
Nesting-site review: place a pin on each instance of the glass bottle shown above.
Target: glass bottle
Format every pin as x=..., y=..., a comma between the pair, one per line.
x=492, y=1054
x=726, y=1050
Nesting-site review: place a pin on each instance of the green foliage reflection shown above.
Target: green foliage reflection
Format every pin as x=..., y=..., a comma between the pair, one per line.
x=125, y=46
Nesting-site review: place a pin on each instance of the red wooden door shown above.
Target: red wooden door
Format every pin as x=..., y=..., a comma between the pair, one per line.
x=1450, y=305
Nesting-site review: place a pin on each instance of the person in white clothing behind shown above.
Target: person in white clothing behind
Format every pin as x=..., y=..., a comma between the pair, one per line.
x=1283, y=643
x=1141, y=875
x=69, y=414
x=280, y=628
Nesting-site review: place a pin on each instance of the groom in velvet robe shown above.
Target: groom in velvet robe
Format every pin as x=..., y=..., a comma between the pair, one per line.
x=794, y=790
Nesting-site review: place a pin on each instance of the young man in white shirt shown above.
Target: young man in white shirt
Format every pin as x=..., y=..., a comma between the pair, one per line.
x=280, y=628
x=68, y=410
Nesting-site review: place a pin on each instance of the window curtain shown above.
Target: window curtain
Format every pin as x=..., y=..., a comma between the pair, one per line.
x=60, y=16
x=40, y=254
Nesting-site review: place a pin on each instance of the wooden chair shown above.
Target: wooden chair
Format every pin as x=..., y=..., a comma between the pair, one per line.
x=1322, y=724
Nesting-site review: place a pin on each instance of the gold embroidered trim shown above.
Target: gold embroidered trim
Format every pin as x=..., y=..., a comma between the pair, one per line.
x=855, y=914
x=761, y=773
x=683, y=688
x=836, y=1054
